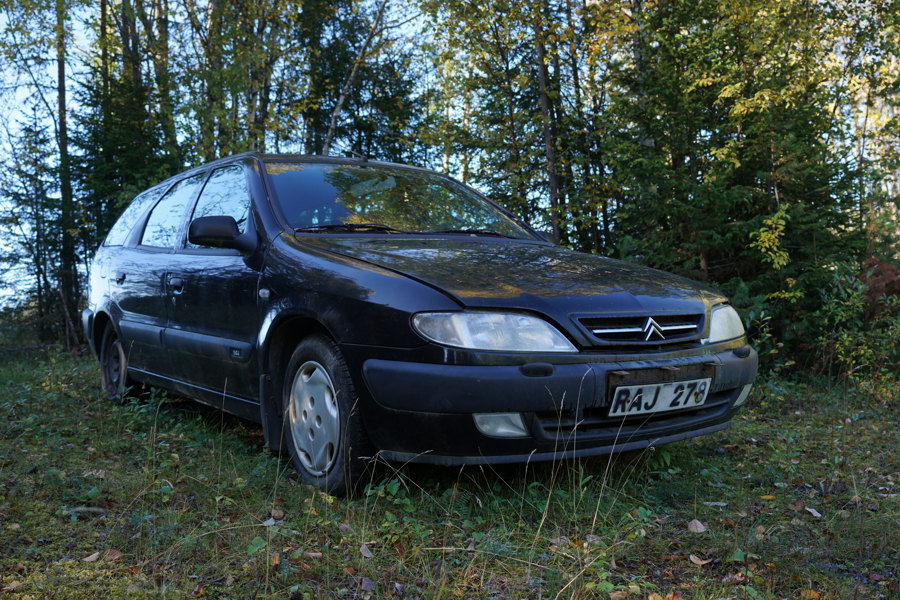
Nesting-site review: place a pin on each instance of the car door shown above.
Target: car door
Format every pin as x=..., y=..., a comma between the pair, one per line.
x=137, y=282
x=212, y=297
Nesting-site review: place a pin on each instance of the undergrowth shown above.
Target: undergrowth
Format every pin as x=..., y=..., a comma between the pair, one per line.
x=163, y=498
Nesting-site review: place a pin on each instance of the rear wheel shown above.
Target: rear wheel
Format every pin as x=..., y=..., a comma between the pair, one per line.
x=323, y=428
x=113, y=364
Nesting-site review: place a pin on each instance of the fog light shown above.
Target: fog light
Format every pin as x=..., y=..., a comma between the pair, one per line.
x=505, y=425
x=744, y=393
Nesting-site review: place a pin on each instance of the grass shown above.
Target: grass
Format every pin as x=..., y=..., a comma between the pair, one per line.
x=163, y=498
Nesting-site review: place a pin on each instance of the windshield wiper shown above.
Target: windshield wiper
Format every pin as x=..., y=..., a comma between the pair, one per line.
x=351, y=227
x=471, y=232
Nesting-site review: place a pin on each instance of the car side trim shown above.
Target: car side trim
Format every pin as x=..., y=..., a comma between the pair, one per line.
x=141, y=333
x=206, y=345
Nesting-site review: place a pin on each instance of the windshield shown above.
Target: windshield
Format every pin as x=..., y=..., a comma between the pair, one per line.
x=324, y=198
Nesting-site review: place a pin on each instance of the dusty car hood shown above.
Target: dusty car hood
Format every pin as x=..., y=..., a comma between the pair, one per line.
x=491, y=272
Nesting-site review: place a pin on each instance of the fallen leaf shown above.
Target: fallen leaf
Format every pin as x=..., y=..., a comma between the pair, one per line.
x=696, y=526
x=810, y=595
x=11, y=587
x=91, y=557
x=17, y=568
x=112, y=554
x=654, y=596
x=798, y=505
x=313, y=555
x=367, y=584
x=813, y=512
x=275, y=559
x=364, y=550
x=198, y=591
x=134, y=569
x=277, y=514
x=767, y=497
x=699, y=561
x=618, y=595
x=592, y=539
x=716, y=503
x=268, y=522
x=349, y=570
x=673, y=596
x=345, y=528
x=735, y=579
x=399, y=589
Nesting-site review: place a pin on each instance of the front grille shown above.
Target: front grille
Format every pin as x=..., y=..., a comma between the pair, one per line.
x=644, y=330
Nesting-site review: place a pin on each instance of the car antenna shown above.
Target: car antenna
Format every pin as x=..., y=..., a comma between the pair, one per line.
x=354, y=154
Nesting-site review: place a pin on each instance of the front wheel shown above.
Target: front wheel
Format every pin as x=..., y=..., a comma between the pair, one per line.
x=323, y=427
x=113, y=364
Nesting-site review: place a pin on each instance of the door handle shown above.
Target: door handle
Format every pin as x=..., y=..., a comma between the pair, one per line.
x=120, y=278
x=176, y=284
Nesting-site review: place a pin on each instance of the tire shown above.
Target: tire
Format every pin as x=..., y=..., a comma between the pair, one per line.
x=323, y=428
x=113, y=365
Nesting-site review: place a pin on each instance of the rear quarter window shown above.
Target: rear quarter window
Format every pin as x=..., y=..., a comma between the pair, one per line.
x=167, y=217
x=118, y=233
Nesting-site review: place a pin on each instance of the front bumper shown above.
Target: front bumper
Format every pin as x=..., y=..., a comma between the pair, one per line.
x=423, y=412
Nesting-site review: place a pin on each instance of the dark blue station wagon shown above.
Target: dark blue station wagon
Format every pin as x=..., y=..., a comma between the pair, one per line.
x=357, y=308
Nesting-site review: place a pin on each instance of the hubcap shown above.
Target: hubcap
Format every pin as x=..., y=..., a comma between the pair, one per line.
x=314, y=418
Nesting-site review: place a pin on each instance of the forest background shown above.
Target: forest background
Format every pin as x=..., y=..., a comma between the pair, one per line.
x=751, y=144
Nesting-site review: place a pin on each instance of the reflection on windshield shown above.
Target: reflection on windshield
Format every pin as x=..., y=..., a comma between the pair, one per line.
x=317, y=197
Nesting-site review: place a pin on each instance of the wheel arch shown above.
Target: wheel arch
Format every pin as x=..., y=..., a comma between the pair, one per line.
x=278, y=342
x=283, y=337
x=101, y=320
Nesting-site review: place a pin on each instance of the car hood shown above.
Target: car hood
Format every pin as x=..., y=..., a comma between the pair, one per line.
x=481, y=272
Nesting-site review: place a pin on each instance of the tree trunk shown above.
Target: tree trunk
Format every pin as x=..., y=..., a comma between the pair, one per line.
x=547, y=114
x=156, y=27
x=329, y=137
x=69, y=289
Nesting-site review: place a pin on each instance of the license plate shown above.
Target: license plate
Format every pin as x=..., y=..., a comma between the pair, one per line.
x=628, y=400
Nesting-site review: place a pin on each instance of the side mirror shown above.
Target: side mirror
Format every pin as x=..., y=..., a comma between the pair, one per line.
x=220, y=232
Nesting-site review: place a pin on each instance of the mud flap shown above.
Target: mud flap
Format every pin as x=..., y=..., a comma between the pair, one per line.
x=269, y=416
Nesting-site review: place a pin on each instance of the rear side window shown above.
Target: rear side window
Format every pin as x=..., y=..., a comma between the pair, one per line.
x=166, y=218
x=130, y=216
x=225, y=194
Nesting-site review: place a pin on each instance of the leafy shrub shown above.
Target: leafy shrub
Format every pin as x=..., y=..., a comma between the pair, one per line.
x=859, y=327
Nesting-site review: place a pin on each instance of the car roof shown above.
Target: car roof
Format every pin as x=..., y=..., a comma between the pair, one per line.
x=300, y=158
x=313, y=158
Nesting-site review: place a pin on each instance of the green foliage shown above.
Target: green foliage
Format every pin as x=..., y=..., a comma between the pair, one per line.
x=853, y=339
x=748, y=145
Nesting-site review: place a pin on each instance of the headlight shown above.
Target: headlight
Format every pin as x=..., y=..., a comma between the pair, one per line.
x=724, y=324
x=491, y=331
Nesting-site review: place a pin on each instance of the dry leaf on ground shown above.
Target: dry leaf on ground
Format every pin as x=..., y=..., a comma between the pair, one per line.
x=112, y=554
x=696, y=526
